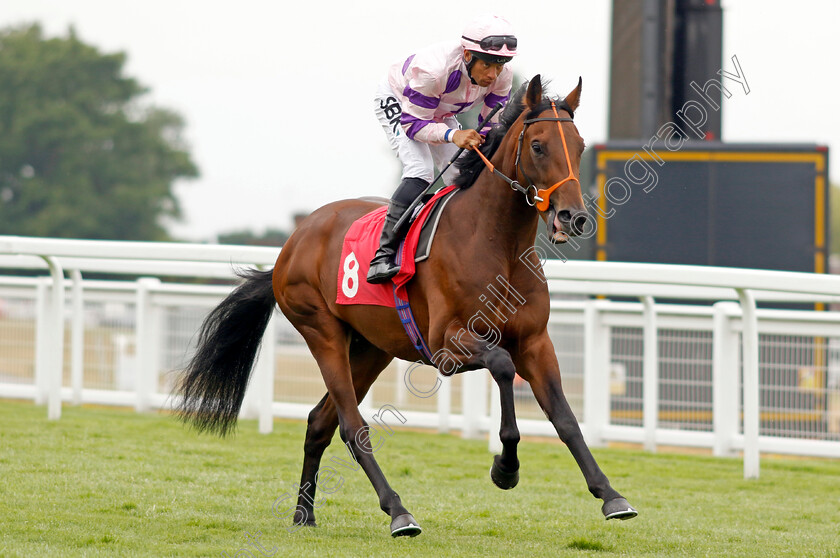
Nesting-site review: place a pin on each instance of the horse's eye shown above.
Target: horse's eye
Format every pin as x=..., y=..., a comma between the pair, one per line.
x=536, y=147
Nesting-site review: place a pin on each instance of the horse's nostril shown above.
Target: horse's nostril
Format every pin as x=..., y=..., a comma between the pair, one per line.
x=575, y=222
x=578, y=223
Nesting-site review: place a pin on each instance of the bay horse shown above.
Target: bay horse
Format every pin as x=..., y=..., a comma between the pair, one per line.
x=487, y=232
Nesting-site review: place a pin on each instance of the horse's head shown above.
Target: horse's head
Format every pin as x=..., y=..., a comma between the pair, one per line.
x=549, y=149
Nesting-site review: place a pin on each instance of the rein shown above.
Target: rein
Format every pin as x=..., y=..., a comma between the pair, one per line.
x=540, y=198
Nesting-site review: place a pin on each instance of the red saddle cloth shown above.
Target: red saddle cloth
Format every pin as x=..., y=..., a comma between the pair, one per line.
x=360, y=244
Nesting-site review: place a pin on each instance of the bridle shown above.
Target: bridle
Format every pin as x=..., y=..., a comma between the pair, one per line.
x=540, y=197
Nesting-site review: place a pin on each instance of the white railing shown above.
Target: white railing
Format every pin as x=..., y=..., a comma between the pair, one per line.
x=124, y=255
x=632, y=406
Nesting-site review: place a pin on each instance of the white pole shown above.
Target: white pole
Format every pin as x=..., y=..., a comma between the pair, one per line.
x=444, y=403
x=596, y=388
x=725, y=385
x=55, y=373
x=400, y=389
x=494, y=442
x=42, y=335
x=650, y=371
x=265, y=378
x=145, y=332
x=473, y=391
x=77, y=338
x=366, y=404
x=751, y=384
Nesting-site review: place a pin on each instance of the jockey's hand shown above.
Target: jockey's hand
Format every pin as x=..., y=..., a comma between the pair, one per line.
x=467, y=139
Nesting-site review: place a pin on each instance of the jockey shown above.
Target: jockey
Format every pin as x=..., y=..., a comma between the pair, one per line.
x=417, y=104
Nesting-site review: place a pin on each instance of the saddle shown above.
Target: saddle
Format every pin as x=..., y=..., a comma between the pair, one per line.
x=429, y=225
x=362, y=240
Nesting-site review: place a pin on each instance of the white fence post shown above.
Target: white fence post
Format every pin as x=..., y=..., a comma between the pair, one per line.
x=650, y=373
x=42, y=334
x=725, y=378
x=77, y=338
x=366, y=404
x=473, y=401
x=444, y=403
x=265, y=378
x=400, y=389
x=494, y=442
x=751, y=384
x=146, y=345
x=596, y=381
x=125, y=364
x=51, y=341
x=258, y=398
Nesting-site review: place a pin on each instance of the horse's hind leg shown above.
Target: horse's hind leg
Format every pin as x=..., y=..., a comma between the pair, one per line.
x=538, y=365
x=366, y=363
x=328, y=339
x=320, y=428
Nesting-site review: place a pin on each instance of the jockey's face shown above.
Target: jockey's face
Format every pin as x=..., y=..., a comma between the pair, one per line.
x=483, y=73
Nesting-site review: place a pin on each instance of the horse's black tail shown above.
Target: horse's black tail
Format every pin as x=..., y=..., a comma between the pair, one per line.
x=213, y=383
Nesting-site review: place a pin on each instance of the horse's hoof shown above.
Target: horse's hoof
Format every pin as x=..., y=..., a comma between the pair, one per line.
x=405, y=526
x=618, y=508
x=501, y=478
x=299, y=520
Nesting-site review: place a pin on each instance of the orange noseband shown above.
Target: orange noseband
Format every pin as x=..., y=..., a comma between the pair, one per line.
x=540, y=198
x=543, y=195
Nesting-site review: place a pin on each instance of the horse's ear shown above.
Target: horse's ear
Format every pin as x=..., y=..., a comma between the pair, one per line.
x=573, y=98
x=534, y=94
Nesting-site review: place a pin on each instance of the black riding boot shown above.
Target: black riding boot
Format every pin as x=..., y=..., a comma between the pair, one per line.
x=382, y=266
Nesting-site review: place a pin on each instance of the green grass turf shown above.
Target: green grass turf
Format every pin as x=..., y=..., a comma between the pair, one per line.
x=112, y=482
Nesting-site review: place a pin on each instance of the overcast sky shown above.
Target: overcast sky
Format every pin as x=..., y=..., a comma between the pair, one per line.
x=277, y=96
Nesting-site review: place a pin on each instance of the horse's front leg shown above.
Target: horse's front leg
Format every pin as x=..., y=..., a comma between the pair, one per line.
x=505, y=469
x=538, y=365
x=477, y=354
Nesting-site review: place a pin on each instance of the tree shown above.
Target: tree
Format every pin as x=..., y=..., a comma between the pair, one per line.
x=271, y=237
x=79, y=156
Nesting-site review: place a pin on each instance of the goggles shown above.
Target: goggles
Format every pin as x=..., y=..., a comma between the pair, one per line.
x=494, y=42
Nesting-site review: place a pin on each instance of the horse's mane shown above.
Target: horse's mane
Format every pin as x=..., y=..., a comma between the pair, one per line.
x=470, y=165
